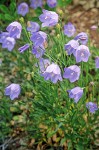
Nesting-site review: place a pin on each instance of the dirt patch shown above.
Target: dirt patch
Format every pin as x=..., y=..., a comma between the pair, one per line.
x=84, y=19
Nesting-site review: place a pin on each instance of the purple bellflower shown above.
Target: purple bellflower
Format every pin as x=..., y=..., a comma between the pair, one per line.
x=13, y=90
x=75, y=93
x=36, y=3
x=71, y=46
x=14, y=29
x=24, y=48
x=9, y=43
x=23, y=9
x=82, y=53
x=52, y=73
x=97, y=61
x=3, y=36
x=43, y=64
x=33, y=27
x=38, y=51
x=92, y=107
x=82, y=38
x=39, y=38
x=69, y=29
x=52, y=3
x=48, y=18
x=72, y=73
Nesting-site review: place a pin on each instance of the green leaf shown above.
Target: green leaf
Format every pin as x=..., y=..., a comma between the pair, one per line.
x=12, y=6
x=8, y=17
x=62, y=141
x=4, y=9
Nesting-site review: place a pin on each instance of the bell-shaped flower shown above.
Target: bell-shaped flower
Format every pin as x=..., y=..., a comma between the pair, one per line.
x=14, y=29
x=52, y=3
x=72, y=73
x=3, y=36
x=69, y=29
x=82, y=38
x=33, y=27
x=36, y=3
x=97, y=62
x=24, y=48
x=52, y=73
x=13, y=90
x=38, y=38
x=9, y=43
x=71, y=46
x=23, y=9
x=48, y=18
x=92, y=107
x=75, y=93
x=43, y=64
x=82, y=53
x=38, y=51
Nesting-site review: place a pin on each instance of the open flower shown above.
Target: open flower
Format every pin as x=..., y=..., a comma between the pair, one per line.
x=14, y=29
x=69, y=29
x=82, y=53
x=52, y=3
x=13, y=90
x=92, y=107
x=75, y=93
x=36, y=3
x=82, y=38
x=23, y=9
x=71, y=46
x=3, y=36
x=48, y=18
x=97, y=61
x=72, y=73
x=52, y=73
x=43, y=64
x=33, y=27
x=9, y=43
x=38, y=51
x=24, y=48
x=38, y=38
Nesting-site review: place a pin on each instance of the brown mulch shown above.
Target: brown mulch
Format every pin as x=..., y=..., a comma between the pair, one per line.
x=84, y=19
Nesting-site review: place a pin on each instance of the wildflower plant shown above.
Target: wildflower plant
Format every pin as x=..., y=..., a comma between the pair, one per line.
x=55, y=70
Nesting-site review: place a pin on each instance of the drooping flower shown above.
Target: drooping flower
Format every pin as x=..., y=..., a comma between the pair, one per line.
x=36, y=3
x=52, y=73
x=14, y=29
x=92, y=107
x=75, y=93
x=82, y=53
x=97, y=61
x=24, y=48
x=43, y=64
x=48, y=18
x=33, y=27
x=13, y=90
x=82, y=38
x=3, y=36
x=72, y=73
x=71, y=46
x=69, y=29
x=38, y=38
x=52, y=3
x=9, y=43
x=23, y=9
x=38, y=51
